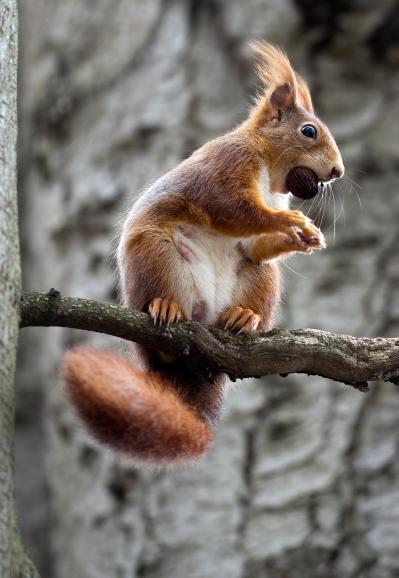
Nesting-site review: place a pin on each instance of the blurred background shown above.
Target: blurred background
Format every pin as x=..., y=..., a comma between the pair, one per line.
x=303, y=481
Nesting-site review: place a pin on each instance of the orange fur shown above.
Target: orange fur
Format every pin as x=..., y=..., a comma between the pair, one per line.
x=304, y=98
x=211, y=203
x=140, y=414
x=271, y=246
x=259, y=291
x=274, y=68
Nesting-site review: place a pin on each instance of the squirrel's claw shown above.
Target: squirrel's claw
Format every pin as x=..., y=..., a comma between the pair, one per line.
x=165, y=311
x=239, y=320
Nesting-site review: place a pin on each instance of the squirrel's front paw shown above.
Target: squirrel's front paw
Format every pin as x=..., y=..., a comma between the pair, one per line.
x=308, y=243
x=302, y=232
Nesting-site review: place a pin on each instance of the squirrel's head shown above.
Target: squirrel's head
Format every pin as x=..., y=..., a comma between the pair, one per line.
x=287, y=131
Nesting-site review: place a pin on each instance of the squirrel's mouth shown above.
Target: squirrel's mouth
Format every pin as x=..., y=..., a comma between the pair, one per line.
x=303, y=183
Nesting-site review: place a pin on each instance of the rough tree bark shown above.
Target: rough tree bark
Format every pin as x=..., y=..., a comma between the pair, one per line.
x=351, y=360
x=304, y=478
x=14, y=562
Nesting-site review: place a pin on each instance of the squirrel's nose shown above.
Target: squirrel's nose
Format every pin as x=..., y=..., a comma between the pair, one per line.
x=336, y=173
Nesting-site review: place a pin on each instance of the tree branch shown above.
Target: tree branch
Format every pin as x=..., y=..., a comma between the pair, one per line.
x=352, y=360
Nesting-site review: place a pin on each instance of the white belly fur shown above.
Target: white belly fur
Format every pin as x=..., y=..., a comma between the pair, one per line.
x=209, y=274
x=211, y=270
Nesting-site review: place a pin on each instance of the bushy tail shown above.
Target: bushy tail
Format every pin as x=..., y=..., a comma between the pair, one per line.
x=140, y=414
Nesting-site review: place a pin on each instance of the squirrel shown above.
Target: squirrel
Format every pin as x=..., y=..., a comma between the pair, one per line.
x=203, y=243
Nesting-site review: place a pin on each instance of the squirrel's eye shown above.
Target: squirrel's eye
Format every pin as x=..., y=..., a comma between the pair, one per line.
x=309, y=130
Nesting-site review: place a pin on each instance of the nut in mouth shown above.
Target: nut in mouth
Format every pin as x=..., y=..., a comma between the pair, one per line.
x=303, y=183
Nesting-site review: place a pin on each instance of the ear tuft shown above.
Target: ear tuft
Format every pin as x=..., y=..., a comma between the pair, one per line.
x=274, y=69
x=303, y=96
x=277, y=75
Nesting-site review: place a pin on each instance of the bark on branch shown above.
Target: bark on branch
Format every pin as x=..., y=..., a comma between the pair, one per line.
x=352, y=360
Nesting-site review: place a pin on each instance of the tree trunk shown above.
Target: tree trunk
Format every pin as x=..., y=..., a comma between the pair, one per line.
x=303, y=481
x=14, y=562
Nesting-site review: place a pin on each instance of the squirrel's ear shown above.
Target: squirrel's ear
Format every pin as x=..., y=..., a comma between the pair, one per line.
x=282, y=97
x=276, y=74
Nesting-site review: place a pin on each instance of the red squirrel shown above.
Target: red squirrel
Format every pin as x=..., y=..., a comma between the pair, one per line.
x=203, y=243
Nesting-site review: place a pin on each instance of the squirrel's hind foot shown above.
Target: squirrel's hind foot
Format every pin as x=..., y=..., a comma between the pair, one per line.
x=165, y=311
x=239, y=320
